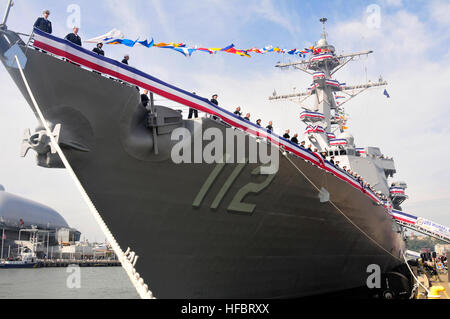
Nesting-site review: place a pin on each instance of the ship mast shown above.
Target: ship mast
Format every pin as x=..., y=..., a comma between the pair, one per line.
x=327, y=115
x=5, y=17
x=324, y=31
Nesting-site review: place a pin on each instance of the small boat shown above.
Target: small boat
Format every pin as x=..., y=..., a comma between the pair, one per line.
x=27, y=259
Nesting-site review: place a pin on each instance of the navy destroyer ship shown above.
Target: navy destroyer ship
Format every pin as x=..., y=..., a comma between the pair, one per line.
x=211, y=230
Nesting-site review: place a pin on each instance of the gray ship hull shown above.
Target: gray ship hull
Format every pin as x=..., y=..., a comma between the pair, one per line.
x=289, y=245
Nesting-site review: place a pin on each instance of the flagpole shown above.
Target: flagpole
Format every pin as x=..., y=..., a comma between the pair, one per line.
x=8, y=8
x=3, y=240
x=48, y=239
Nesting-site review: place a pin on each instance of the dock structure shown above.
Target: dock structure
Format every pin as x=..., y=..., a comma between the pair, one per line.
x=433, y=285
x=81, y=263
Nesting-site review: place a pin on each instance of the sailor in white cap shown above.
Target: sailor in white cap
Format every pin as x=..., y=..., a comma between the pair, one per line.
x=43, y=24
x=74, y=37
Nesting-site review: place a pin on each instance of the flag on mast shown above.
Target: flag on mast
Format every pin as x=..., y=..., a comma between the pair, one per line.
x=386, y=93
x=113, y=34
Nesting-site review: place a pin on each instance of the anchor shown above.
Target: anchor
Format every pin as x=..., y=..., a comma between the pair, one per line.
x=39, y=141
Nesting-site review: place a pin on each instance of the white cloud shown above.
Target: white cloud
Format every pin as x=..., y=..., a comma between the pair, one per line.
x=439, y=10
x=392, y=3
x=163, y=17
x=277, y=13
x=412, y=125
x=123, y=13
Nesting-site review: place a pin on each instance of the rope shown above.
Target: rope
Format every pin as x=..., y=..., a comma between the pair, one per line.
x=128, y=259
x=412, y=273
x=340, y=211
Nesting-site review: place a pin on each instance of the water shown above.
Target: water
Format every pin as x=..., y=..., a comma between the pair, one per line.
x=59, y=283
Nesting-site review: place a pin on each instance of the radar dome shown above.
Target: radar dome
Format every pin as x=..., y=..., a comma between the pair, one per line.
x=322, y=43
x=349, y=138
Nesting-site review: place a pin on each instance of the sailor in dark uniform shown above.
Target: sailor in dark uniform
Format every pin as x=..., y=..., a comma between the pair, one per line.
x=258, y=122
x=125, y=59
x=286, y=135
x=247, y=117
x=332, y=160
x=238, y=111
x=302, y=144
x=295, y=139
x=214, y=99
x=193, y=112
x=74, y=37
x=98, y=49
x=144, y=98
x=269, y=127
x=43, y=23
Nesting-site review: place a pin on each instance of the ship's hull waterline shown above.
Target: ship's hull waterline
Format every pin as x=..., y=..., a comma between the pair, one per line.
x=290, y=245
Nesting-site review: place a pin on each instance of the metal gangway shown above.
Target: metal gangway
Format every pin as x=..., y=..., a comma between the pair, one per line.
x=422, y=225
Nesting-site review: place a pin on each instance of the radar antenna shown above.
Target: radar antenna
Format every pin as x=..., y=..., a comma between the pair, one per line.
x=327, y=112
x=5, y=17
x=324, y=31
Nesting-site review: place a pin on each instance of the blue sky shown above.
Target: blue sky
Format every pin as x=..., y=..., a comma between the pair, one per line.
x=411, y=48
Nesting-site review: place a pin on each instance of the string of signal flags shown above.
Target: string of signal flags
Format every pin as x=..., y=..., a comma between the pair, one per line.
x=116, y=37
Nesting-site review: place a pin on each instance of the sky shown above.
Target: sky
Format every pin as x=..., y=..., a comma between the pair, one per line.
x=410, y=40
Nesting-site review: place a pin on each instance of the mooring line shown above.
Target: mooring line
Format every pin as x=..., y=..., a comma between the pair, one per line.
x=339, y=210
x=412, y=273
x=127, y=259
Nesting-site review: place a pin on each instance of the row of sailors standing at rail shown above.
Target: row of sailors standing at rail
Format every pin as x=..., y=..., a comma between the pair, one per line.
x=269, y=126
x=194, y=112
x=364, y=184
x=45, y=25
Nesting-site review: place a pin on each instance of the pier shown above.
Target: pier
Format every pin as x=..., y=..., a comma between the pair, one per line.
x=437, y=286
x=52, y=263
x=81, y=263
x=433, y=281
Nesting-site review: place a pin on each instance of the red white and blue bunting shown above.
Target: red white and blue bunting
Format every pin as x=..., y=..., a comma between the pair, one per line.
x=404, y=217
x=314, y=129
x=338, y=141
x=313, y=87
x=321, y=57
x=397, y=190
x=333, y=83
x=361, y=150
x=305, y=115
x=318, y=75
x=331, y=136
x=421, y=223
x=63, y=48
